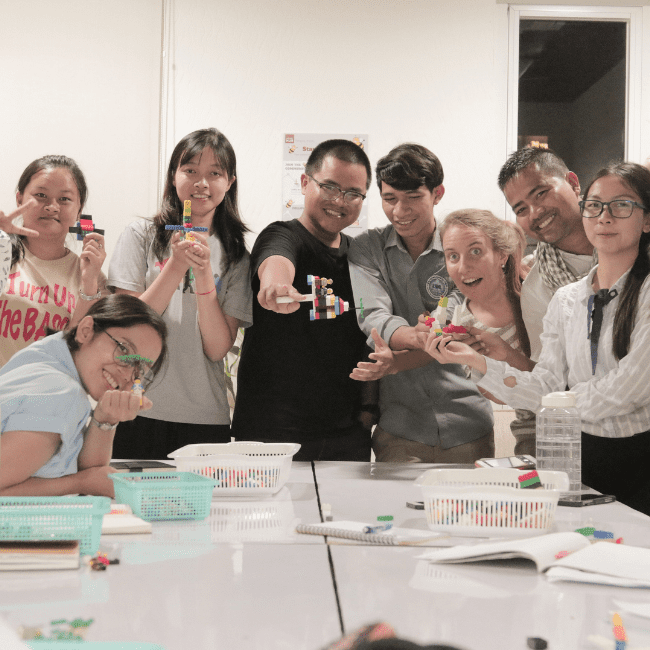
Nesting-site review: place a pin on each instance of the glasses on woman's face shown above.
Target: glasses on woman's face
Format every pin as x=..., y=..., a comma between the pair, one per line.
x=332, y=193
x=125, y=357
x=619, y=209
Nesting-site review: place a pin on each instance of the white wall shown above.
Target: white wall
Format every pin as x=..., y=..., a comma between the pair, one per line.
x=430, y=72
x=81, y=78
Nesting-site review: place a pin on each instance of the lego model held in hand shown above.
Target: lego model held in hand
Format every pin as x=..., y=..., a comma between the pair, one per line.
x=84, y=226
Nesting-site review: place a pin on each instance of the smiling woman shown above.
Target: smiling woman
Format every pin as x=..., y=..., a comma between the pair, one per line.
x=46, y=447
x=200, y=286
x=48, y=285
x=596, y=341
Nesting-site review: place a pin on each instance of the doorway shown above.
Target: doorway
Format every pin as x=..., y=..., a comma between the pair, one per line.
x=574, y=83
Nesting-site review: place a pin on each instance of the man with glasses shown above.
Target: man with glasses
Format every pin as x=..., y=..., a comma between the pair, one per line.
x=428, y=412
x=544, y=195
x=293, y=379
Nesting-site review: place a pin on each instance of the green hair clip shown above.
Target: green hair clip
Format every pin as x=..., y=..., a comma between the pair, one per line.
x=133, y=357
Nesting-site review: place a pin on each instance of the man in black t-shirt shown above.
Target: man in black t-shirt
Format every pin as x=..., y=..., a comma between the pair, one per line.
x=293, y=383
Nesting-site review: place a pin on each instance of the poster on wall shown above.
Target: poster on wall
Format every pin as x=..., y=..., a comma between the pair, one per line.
x=295, y=151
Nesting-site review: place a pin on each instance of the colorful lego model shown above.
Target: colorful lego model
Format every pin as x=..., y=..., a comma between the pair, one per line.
x=619, y=633
x=455, y=327
x=439, y=317
x=441, y=311
x=325, y=304
x=84, y=226
x=530, y=481
x=187, y=229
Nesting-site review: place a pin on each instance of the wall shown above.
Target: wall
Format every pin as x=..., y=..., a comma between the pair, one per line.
x=81, y=78
x=431, y=72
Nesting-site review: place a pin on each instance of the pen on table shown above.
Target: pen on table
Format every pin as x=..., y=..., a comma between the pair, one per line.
x=377, y=529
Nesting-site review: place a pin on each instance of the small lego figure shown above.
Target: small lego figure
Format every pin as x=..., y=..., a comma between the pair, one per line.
x=137, y=389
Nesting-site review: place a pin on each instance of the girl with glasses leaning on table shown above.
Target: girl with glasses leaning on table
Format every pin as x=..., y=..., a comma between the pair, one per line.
x=596, y=341
x=45, y=447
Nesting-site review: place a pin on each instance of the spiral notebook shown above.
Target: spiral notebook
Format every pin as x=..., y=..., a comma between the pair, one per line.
x=353, y=530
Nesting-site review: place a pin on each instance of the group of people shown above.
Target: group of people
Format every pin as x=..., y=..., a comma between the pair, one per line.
x=173, y=306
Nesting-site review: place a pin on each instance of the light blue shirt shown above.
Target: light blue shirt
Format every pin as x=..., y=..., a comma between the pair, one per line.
x=40, y=390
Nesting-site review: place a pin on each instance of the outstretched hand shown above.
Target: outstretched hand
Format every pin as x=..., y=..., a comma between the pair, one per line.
x=268, y=298
x=383, y=361
x=7, y=221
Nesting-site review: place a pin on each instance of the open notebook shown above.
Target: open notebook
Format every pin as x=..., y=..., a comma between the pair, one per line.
x=563, y=556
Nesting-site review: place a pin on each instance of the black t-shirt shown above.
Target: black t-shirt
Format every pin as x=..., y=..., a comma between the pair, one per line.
x=293, y=376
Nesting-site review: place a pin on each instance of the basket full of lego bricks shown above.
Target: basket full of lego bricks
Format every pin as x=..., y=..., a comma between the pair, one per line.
x=239, y=468
x=491, y=502
x=164, y=495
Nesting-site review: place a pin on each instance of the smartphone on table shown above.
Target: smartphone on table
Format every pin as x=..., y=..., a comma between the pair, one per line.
x=515, y=462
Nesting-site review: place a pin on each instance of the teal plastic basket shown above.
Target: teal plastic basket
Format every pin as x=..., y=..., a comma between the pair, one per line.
x=54, y=518
x=168, y=495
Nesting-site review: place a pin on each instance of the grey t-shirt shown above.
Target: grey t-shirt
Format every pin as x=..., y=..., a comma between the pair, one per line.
x=192, y=388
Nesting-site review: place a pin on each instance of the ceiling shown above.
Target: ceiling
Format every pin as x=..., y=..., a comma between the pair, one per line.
x=559, y=59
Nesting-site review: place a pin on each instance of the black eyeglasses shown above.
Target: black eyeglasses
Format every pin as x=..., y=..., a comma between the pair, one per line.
x=619, y=209
x=332, y=192
x=124, y=357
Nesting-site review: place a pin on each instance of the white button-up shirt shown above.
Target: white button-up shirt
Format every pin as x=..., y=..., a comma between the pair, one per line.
x=614, y=402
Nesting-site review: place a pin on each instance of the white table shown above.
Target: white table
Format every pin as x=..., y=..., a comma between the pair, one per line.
x=244, y=579
x=487, y=606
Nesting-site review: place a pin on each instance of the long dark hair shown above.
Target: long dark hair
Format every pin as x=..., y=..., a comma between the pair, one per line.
x=507, y=238
x=227, y=224
x=637, y=178
x=122, y=310
x=46, y=162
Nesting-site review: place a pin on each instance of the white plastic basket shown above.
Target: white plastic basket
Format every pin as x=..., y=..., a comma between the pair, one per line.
x=489, y=502
x=240, y=468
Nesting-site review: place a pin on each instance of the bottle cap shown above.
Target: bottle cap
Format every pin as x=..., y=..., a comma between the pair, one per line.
x=560, y=400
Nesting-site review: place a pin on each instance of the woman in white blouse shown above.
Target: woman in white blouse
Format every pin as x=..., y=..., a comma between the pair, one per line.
x=606, y=365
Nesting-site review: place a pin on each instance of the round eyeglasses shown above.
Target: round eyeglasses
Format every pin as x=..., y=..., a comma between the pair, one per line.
x=332, y=192
x=619, y=209
x=125, y=357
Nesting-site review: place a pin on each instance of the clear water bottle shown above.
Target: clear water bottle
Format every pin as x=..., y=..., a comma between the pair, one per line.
x=559, y=439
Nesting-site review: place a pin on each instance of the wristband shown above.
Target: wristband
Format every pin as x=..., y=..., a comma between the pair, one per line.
x=83, y=296
x=207, y=293
x=104, y=426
